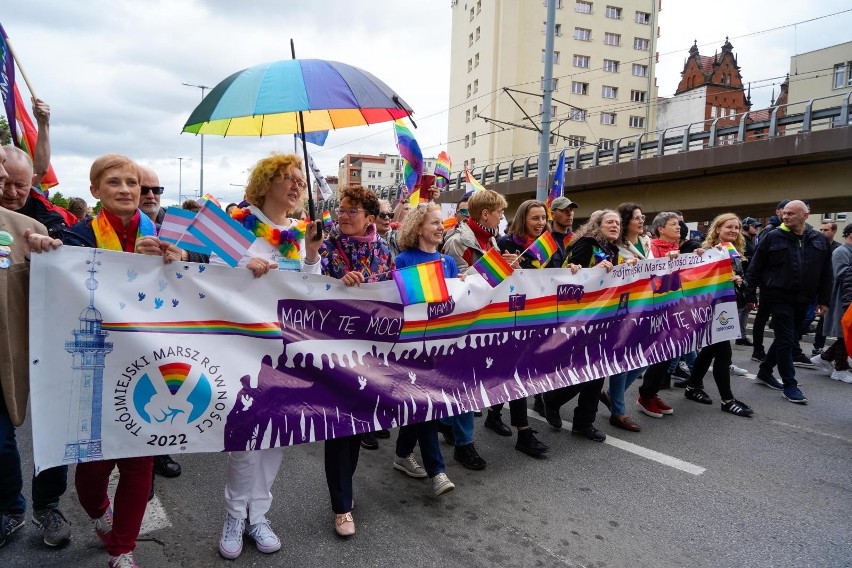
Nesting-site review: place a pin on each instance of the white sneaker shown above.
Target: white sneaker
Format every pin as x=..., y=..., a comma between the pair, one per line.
x=822, y=365
x=409, y=466
x=266, y=540
x=842, y=376
x=122, y=561
x=231, y=543
x=739, y=371
x=441, y=484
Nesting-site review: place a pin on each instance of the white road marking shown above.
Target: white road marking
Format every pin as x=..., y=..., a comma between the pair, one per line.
x=812, y=431
x=642, y=451
x=155, y=515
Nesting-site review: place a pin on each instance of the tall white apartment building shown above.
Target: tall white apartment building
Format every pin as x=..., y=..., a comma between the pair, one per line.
x=604, y=75
x=375, y=172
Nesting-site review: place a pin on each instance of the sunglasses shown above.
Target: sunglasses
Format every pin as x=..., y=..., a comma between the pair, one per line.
x=385, y=215
x=463, y=212
x=155, y=189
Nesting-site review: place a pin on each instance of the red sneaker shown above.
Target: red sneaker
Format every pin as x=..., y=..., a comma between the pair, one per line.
x=649, y=407
x=664, y=408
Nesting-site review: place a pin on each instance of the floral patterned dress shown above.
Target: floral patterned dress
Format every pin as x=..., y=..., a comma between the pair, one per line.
x=368, y=255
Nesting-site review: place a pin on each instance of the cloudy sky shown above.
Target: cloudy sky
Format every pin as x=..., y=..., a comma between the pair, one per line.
x=112, y=69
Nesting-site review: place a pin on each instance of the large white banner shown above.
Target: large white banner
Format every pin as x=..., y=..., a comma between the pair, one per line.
x=130, y=357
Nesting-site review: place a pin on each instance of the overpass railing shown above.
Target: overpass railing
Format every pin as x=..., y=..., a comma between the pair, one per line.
x=711, y=133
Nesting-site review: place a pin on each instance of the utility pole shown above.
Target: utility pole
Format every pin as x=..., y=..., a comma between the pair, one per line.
x=180, y=160
x=201, y=176
x=544, y=148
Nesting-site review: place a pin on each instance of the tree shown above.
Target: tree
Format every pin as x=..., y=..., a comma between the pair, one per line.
x=5, y=133
x=59, y=199
x=97, y=208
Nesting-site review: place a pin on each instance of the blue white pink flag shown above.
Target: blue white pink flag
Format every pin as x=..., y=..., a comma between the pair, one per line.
x=221, y=234
x=174, y=230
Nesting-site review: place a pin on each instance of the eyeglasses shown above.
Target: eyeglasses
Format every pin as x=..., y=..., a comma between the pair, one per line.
x=463, y=212
x=349, y=212
x=300, y=183
x=384, y=215
x=638, y=217
x=155, y=189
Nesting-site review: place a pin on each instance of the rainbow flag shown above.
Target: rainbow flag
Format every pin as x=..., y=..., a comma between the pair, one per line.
x=443, y=170
x=21, y=126
x=209, y=197
x=543, y=248
x=558, y=185
x=493, y=267
x=731, y=250
x=422, y=283
x=326, y=218
x=410, y=152
x=472, y=184
x=450, y=223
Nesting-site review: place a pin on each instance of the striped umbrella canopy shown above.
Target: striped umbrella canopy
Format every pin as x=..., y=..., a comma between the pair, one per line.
x=266, y=99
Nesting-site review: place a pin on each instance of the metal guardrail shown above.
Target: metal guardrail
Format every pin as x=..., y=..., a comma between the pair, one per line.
x=658, y=143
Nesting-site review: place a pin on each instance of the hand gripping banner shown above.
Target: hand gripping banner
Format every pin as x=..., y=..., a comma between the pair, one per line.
x=140, y=358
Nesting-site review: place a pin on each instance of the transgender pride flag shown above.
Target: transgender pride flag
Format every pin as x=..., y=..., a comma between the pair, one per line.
x=221, y=234
x=174, y=228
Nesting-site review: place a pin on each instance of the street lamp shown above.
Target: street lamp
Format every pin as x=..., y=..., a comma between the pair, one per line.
x=201, y=178
x=180, y=160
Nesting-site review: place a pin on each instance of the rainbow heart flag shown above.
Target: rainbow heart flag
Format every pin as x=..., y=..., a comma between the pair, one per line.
x=422, y=283
x=493, y=267
x=731, y=250
x=543, y=248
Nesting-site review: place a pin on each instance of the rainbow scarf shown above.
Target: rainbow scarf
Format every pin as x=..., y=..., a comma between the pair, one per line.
x=106, y=238
x=288, y=241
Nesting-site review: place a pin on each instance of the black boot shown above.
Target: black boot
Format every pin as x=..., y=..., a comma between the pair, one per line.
x=469, y=457
x=166, y=466
x=538, y=404
x=529, y=444
x=494, y=422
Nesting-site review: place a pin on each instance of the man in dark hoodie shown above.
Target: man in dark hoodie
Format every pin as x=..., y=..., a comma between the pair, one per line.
x=792, y=268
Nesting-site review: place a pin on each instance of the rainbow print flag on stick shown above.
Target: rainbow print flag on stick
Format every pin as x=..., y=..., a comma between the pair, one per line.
x=443, y=170
x=732, y=251
x=326, y=219
x=409, y=149
x=543, y=248
x=422, y=283
x=471, y=183
x=493, y=267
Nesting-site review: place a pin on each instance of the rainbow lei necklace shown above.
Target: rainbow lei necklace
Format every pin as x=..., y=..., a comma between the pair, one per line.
x=287, y=242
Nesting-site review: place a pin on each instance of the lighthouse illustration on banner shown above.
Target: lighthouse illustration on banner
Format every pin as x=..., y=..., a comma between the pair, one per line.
x=88, y=349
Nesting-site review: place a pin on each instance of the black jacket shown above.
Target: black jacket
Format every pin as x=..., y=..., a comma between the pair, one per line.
x=790, y=268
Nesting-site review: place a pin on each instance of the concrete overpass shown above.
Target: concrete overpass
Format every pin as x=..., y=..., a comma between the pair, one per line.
x=745, y=175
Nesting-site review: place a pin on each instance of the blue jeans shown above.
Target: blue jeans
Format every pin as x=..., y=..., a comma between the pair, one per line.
x=688, y=358
x=48, y=486
x=618, y=385
x=787, y=318
x=462, y=427
x=426, y=433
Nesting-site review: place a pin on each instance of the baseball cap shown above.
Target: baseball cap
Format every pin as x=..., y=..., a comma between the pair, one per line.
x=782, y=204
x=847, y=230
x=751, y=221
x=466, y=197
x=562, y=203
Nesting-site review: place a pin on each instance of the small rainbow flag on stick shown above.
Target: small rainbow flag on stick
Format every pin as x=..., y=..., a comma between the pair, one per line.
x=472, y=184
x=209, y=197
x=443, y=170
x=543, y=248
x=731, y=250
x=326, y=218
x=493, y=267
x=422, y=283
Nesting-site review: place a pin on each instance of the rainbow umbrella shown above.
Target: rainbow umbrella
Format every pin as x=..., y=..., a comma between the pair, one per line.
x=266, y=99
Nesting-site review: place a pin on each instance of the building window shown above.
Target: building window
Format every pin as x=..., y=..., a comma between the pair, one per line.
x=371, y=175
x=473, y=138
x=468, y=89
x=466, y=140
x=610, y=65
x=576, y=141
x=472, y=162
x=638, y=96
x=608, y=92
x=641, y=43
x=467, y=115
x=476, y=60
x=557, y=29
x=714, y=111
x=607, y=118
x=469, y=65
x=478, y=6
x=476, y=85
x=640, y=70
x=613, y=12
x=643, y=18
x=552, y=110
x=555, y=83
x=558, y=4
x=843, y=75
x=470, y=40
x=552, y=138
x=471, y=14
x=581, y=61
x=612, y=39
x=578, y=114
x=579, y=88
x=583, y=7
x=466, y=163
x=605, y=143
x=474, y=112
x=555, y=57
x=637, y=122
x=477, y=33
x=582, y=34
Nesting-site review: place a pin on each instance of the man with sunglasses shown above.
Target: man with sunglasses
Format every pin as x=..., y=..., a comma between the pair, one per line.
x=149, y=203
